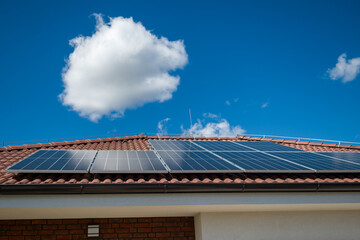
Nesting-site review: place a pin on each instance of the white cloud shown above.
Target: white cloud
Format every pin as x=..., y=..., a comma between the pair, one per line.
x=220, y=128
x=346, y=70
x=227, y=102
x=265, y=105
x=121, y=66
x=161, y=127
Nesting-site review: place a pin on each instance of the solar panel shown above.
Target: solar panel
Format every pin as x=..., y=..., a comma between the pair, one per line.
x=261, y=162
x=55, y=161
x=348, y=156
x=186, y=161
x=319, y=162
x=113, y=161
x=222, y=146
x=268, y=146
x=163, y=145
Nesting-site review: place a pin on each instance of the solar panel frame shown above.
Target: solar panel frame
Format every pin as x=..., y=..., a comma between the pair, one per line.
x=124, y=164
x=319, y=162
x=39, y=164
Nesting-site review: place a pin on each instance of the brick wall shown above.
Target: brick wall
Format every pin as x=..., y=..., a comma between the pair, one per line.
x=175, y=228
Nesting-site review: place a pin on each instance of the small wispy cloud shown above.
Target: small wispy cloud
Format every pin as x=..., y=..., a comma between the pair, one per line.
x=217, y=128
x=229, y=102
x=265, y=105
x=346, y=70
x=210, y=115
x=162, y=128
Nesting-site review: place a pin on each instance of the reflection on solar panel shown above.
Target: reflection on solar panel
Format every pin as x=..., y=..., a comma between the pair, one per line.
x=319, y=162
x=222, y=146
x=112, y=161
x=54, y=161
x=161, y=145
x=348, y=156
x=261, y=162
x=268, y=146
x=184, y=161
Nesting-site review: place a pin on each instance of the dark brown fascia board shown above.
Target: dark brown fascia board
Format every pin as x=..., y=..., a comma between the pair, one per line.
x=175, y=188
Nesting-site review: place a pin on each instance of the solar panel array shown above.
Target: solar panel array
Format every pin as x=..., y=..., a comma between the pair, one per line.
x=189, y=157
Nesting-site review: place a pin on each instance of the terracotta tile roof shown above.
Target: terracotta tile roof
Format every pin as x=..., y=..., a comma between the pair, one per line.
x=12, y=154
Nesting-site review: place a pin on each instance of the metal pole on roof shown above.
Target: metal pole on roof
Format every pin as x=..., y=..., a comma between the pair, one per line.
x=190, y=122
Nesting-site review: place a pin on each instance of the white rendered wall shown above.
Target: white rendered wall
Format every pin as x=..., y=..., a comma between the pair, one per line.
x=308, y=225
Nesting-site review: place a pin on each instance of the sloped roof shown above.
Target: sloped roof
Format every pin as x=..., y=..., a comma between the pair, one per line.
x=12, y=154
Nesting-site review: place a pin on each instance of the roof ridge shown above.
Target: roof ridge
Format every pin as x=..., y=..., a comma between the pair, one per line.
x=143, y=136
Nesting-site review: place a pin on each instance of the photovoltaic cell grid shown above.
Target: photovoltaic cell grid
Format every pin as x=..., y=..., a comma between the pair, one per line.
x=163, y=145
x=261, y=162
x=116, y=161
x=56, y=161
x=348, y=156
x=320, y=163
x=268, y=146
x=222, y=146
x=196, y=161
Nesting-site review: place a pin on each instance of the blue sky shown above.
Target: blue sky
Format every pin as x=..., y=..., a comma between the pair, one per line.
x=260, y=66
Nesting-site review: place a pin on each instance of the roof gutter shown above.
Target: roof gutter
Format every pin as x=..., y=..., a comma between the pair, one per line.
x=176, y=188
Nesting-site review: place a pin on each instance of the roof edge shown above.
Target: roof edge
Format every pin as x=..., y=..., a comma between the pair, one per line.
x=17, y=189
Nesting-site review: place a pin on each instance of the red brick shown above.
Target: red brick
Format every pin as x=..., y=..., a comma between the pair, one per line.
x=45, y=232
x=177, y=234
x=144, y=229
x=71, y=226
x=70, y=221
x=142, y=225
x=158, y=229
x=188, y=229
x=109, y=236
x=148, y=220
x=107, y=230
x=130, y=220
x=122, y=230
x=54, y=221
x=173, y=229
x=38, y=221
x=115, y=225
x=7, y=222
x=32, y=238
x=52, y=237
x=162, y=234
x=124, y=235
x=34, y=227
x=19, y=227
x=77, y=231
x=61, y=237
x=23, y=222
x=50, y=227
x=16, y=238
x=29, y=232
x=13, y=233
x=138, y=235
x=61, y=232
x=116, y=220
